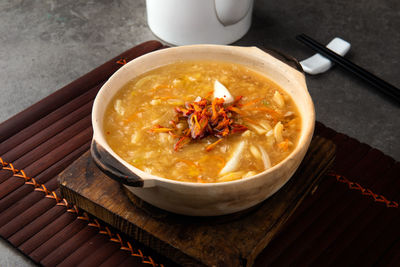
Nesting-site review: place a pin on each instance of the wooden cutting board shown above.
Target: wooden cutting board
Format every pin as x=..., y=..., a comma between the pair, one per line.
x=230, y=240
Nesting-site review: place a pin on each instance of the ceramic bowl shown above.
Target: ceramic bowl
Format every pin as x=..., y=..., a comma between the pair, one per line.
x=209, y=199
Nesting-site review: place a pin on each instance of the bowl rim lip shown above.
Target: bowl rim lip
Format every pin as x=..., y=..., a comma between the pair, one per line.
x=298, y=149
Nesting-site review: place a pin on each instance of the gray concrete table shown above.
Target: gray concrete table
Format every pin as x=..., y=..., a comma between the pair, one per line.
x=44, y=45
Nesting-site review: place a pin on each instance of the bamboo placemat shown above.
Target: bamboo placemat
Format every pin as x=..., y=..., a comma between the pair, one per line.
x=351, y=219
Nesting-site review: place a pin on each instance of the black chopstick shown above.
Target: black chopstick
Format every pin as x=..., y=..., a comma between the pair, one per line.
x=377, y=82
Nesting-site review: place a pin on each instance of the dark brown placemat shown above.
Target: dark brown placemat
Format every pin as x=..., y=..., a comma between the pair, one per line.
x=36, y=145
x=351, y=219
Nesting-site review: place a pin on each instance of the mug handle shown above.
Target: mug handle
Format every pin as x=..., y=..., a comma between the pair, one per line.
x=113, y=168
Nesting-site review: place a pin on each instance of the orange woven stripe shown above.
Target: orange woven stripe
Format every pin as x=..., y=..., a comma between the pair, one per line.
x=80, y=215
x=33, y=182
x=364, y=191
x=121, y=61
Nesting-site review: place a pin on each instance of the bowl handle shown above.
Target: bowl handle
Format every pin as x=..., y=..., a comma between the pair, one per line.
x=112, y=167
x=289, y=60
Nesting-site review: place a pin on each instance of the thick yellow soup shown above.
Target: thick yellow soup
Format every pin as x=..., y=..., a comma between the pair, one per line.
x=202, y=121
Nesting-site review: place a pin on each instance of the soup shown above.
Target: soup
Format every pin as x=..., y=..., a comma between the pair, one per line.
x=202, y=121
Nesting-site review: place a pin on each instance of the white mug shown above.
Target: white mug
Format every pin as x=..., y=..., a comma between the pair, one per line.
x=184, y=22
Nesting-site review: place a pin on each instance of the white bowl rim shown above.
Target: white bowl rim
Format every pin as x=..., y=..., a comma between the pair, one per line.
x=156, y=179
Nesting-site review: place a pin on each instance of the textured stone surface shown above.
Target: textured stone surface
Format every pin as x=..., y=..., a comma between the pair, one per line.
x=342, y=101
x=10, y=257
x=47, y=44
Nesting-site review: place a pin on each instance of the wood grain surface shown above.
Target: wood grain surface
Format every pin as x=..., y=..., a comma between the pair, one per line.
x=231, y=240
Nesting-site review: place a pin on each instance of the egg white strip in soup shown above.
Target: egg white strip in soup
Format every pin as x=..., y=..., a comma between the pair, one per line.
x=233, y=162
x=220, y=91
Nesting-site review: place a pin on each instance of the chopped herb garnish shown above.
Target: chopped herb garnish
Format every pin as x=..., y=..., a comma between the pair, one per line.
x=265, y=103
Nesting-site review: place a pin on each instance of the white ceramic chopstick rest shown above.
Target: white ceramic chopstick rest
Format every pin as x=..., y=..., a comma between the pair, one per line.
x=318, y=63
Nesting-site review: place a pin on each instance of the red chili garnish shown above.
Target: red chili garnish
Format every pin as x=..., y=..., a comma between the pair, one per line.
x=160, y=129
x=238, y=128
x=211, y=146
x=181, y=142
x=236, y=101
x=173, y=123
x=204, y=118
x=173, y=135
